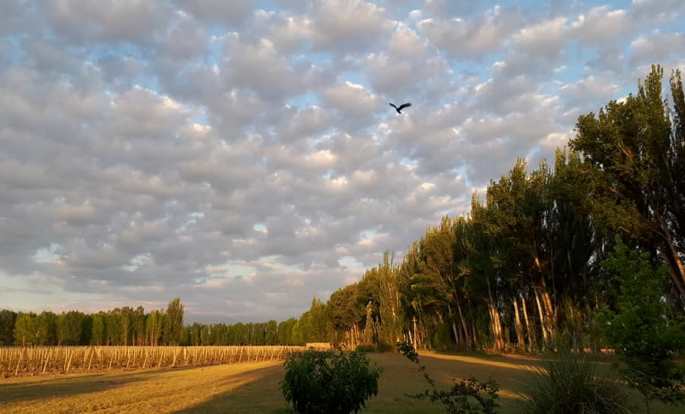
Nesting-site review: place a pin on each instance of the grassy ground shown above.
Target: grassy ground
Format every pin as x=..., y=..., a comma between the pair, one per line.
x=247, y=388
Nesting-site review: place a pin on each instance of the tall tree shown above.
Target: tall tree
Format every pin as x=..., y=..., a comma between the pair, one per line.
x=174, y=319
x=70, y=328
x=46, y=328
x=7, y=322
x=25, y=332
x=637, y=150
x=98, y=336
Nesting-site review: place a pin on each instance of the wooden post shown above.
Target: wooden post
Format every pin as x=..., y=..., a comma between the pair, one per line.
x=47, y=360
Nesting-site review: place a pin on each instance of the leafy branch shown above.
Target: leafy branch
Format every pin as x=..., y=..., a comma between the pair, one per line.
x=468, y=396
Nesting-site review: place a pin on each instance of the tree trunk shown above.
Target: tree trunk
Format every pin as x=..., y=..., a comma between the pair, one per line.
x=518, y=327
x=551, y=313
x=543, y=322
x=467, y=337
x=675, y=264
x=496, y=327
x=454, y=325
x=495, y=321
x=529, y=329
x=474, y=336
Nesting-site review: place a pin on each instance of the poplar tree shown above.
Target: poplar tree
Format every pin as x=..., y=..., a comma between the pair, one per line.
x=637, y=150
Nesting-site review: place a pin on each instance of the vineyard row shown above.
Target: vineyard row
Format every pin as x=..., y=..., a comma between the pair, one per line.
x=15, y=361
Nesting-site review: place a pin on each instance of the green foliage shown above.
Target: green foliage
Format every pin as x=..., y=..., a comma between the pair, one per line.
x=7, y=322
x=636, y=149
x=571, y=385
x=69, y=326
x=643, y=329
x=329, y=382
x=46, y=328
x=467, y=396
x=98, y=330
x=174, y=322
x=25, y=332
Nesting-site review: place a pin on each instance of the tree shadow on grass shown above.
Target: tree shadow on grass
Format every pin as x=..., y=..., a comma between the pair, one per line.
x=260, y=395
x=401, y=378
x=263, y=394
x=68, y=386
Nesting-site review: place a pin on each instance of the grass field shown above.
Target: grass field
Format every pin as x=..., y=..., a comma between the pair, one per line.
x=246, y=387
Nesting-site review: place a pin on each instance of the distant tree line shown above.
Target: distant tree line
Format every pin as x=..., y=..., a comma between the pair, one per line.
x=133, y=326
x=120, y=326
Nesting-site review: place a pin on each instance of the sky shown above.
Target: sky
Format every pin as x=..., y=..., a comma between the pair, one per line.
x=242, y=154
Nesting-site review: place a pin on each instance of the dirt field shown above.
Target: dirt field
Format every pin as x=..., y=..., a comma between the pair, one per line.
x=245, y=388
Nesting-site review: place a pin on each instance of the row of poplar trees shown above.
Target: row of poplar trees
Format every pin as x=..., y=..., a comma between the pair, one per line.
x=522, y=270
x=135, y=327
x=120, y=326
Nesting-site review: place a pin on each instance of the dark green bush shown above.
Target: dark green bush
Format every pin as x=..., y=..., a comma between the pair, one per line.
x=329, y=382
x=646, y=333
x=570, y=385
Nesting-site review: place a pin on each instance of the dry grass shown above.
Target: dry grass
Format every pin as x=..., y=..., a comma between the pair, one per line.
x=151, y=391
x=247, y=387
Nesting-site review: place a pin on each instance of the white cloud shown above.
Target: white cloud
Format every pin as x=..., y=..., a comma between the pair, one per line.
x=656, y=47
x=470, y=38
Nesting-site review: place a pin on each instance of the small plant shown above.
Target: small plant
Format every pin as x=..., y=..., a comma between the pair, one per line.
x=468, y=396
x=570, y=385
x=329, y=382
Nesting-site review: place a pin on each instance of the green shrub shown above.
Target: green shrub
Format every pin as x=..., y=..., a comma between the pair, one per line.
x=570, y=385
x=643, y=329
x=329, y=382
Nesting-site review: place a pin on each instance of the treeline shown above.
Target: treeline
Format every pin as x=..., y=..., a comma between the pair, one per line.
x=120, y=326
x=133, y=326
x=523, y=269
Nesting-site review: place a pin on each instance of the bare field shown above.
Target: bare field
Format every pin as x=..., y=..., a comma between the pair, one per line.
x=149, y=391
x=251, y=387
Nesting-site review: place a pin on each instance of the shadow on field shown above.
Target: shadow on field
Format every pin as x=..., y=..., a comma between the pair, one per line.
x=68, y=386
x=261, y=394
x=400, y=377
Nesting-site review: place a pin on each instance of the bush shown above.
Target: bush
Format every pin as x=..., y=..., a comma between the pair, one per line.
x=643, y=329
x=570, y=385
x=329, y=382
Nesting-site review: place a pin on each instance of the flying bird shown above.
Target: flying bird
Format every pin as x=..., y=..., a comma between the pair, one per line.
x=401, y=107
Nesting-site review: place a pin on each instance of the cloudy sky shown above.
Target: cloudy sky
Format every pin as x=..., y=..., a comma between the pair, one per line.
x=241, y=154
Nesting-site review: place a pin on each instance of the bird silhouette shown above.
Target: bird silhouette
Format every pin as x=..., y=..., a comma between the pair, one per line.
x=401, y=107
